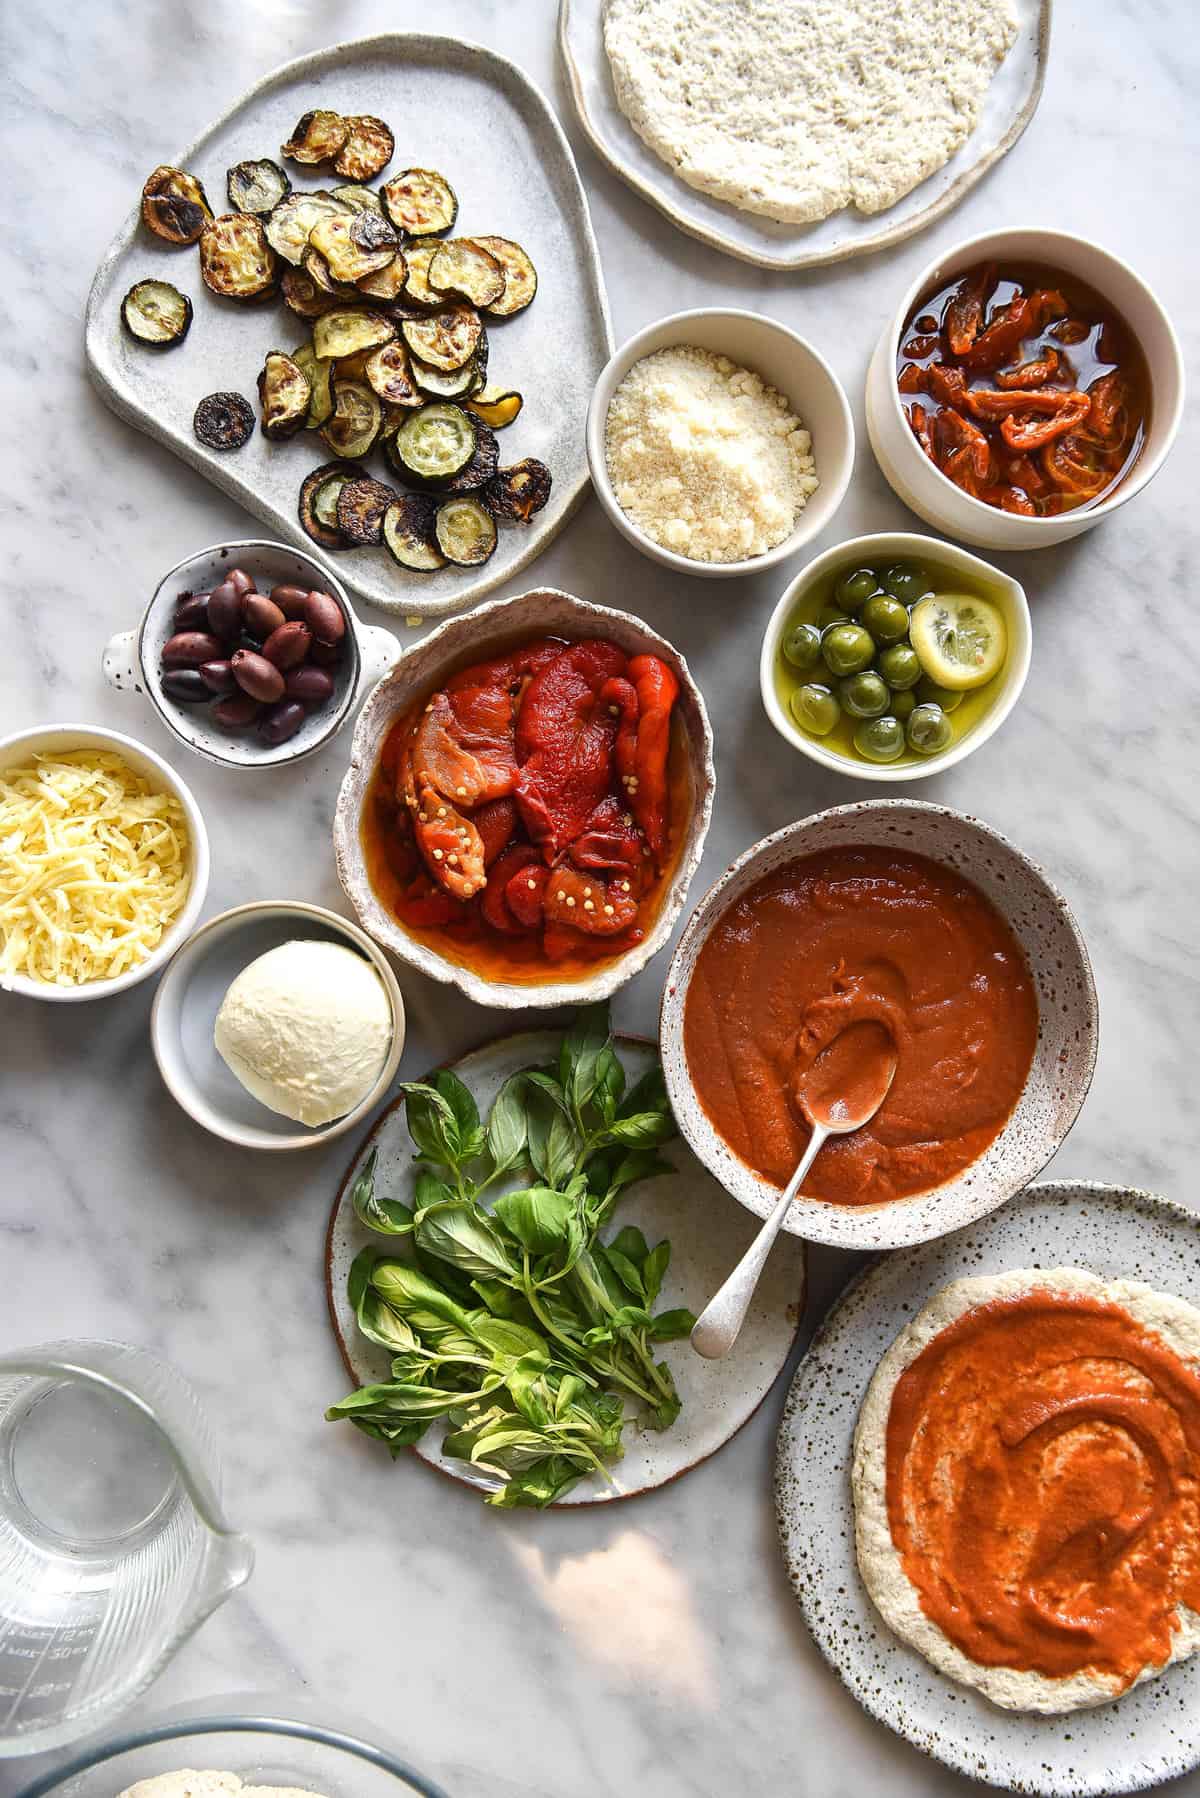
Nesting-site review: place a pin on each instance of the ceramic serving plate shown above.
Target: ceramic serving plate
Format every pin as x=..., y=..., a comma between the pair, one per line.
x=453, y=106
x=1010, y=104
x=708, y=1236
x=1150, y=1734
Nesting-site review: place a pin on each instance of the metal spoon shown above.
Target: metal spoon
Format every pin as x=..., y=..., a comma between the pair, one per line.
x=860, y=1061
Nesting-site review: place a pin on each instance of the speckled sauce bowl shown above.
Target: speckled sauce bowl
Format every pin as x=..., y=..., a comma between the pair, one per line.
x=1068, y=1020
x=484, y=633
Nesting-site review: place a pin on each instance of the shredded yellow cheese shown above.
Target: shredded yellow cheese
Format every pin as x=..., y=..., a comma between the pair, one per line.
x=94, y=866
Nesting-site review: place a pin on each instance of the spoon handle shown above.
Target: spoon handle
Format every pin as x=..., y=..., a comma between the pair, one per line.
x=716, y=1329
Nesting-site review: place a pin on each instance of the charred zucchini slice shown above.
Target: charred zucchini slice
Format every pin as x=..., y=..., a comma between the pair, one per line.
x=446, y=341
x=518, y=492
x=345, y=333
x=520, y=276
x=433, y=444
x=320, y=381
x=369, y=147
x=290, y=224
x=452, y=384
x=358, y=199
x=465, y=532
x=416, y=285
x=256, y=186
x=317, y=137
x=156, y=313
x=283, y=395
x=352, y=368
x=313, y=486
x=386, y=283
x=480, y=468
x=236, y=261
x=224, y=421
x=497, y=406
x=361, y=505
x=390, y=375
x=320, y=274
x=465, y=268
x=356, y=421
x=408, y=531
x=302, y=295
x=175, y=206
x=420, y=202
x=354, y=244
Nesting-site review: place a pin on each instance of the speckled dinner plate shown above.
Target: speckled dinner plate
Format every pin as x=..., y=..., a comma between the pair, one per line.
x=708, y=1232
x=1151, y=1733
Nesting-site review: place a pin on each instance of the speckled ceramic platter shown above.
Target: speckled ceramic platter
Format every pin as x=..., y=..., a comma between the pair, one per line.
x=708, y=1236
x=453, y=106
x=1068, y=1020
x=1010, y=104
x=1150, y=1734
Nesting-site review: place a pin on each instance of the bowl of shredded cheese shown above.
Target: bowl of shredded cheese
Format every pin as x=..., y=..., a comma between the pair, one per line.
x=103, y=862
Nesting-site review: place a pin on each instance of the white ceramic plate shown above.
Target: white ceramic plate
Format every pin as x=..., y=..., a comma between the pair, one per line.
x=708, y=1234
x=455, y=107
x=1151, y=1733
x=1011, y=102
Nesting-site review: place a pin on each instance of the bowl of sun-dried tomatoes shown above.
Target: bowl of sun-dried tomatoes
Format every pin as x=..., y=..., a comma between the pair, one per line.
x=527, y=800
x=1028, y=384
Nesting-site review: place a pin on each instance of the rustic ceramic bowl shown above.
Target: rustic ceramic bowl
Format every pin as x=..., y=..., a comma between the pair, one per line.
x=1068, y=1022
x=487, y=632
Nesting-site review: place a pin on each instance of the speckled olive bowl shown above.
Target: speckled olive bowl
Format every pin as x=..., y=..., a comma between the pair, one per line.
x=487, y=632
x=1068, y=1021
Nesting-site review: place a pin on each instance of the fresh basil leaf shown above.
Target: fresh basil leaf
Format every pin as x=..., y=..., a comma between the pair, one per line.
x=413, y=1368
x=529, y=1392
x=386, y=1216
x=570, y=1389
x=626, y=1270
x=654, y=1269
x=402, y=1401
x=630, y=1241
x=465, y=1237
x=647, y=1094
x=432, y=1123
x=407, y=1290
x=662, y=1415
x=379, y=1323
x=545, y=1082
x=671, y=1326
x=629, y=1317
x=514, y=1340
x=643, y=1129
x=579, y=1055
x=539, y=1218
x=610, y=1083
x=359, y=1277
x=638, y=1164
x=507, y=1125
x=550, y=1133
x=429, y=1190
x=508, y=1448
x=398, y=1436
x=540, y=1485
x=458, y=1098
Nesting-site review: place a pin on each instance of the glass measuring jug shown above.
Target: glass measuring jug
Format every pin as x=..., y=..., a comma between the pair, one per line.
x=113, y=1544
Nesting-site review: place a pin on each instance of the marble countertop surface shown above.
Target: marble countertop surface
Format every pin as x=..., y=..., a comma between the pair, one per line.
x=652, y=1646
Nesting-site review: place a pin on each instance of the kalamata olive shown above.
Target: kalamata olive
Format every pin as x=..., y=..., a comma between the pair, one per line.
x=325, y=654
x=185, y=686
x=218, y=676
x=240, y=581
x=187, y=649
x=236, y=712
x=281, y=722
x=288, y=646
x=256, y=676
x=324, y=618
x=312, y=686
x=260, y=616
x=290, y=600
x=191, y=612
x=225, y=611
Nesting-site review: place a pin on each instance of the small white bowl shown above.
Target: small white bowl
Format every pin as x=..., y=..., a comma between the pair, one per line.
x=790, y=365
x=932, y=495
x=900, y=546
x=55, y=738
x=189, y=997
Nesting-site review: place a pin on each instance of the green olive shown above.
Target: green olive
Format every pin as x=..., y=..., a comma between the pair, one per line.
x=902, y=705
x=929, y=730
x=880, y=739
x=802, y=647
x=855, y=589
x=864, y=695
x=885, y=618
x=847, y=648
x=828, y=616
x=907, y=583
x=899, y=667
x=815, y=709
x=929, y=693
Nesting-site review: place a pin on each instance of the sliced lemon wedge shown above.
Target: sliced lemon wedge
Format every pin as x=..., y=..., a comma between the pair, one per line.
x=961, y=640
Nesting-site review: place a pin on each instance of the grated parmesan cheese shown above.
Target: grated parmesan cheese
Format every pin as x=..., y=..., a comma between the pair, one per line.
x=705, y=458
x=94, y=867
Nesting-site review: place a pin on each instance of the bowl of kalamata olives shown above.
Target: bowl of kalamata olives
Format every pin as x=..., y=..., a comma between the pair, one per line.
x=251, y=654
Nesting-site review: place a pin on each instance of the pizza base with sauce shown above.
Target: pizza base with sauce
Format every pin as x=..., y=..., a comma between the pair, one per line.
x=1175, y=1322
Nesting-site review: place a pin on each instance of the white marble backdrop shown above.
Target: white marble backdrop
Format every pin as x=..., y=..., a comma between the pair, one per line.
x=651, y=1647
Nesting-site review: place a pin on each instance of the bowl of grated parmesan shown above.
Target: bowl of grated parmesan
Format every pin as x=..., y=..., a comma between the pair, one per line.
x=719, y=442
x=103, y=862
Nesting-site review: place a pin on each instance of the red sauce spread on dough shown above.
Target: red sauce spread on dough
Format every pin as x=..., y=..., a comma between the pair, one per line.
x=841, y=937
x=1043, y=1486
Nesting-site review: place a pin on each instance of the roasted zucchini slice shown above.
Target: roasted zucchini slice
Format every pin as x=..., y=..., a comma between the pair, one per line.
x=352, y=368
x=303, y=296
x=465, y=268
x=446, y=384
x=290, y=224
x=518, y=492
x=465, y=532
x=361, y=505
x=369, y=147
x=358, y=199
x=480, y=468
x=256, y=186
x=354, y=244
x=386, y=283
x=223, y=421
x=389, y=374
x=325, y=502
x=416, y=286
x=446, y=341
x=408, y=531
x=283, y=395
x=356, y=421
x=320, y=380
x=313, y=486
x=433, y=444
x=497, y=406
x=317, y=137
x=236, y=261
x=420, y=202
x=322, y=278
x=156, y=313
x=175, y=206
x=520, y=276
x=345, y=333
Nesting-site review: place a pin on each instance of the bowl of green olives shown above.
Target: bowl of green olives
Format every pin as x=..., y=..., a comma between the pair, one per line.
x=894, y=656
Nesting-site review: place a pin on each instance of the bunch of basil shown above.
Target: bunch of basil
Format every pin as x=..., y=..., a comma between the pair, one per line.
x=515, y=1321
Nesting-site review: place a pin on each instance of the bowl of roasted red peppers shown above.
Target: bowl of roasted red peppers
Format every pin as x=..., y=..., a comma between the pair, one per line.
x=527, y=800
x=1028, y=384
